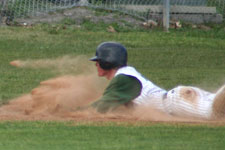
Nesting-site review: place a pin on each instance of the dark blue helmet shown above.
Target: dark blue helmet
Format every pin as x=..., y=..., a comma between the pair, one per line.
x=110, y=55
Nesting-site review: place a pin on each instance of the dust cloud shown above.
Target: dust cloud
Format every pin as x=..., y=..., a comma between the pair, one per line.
x=68, y=96
x=54, y=98
x=76, y=87
x=62, y=65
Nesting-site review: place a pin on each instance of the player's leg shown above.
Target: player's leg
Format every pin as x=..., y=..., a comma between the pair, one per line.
x=186, y=101
x=219, y=104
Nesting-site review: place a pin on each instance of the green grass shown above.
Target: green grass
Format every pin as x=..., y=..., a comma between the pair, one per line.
x=168, y=59
x=57, y=136
x=186, y=56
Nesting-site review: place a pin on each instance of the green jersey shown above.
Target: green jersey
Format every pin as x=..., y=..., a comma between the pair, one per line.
x=121, y=90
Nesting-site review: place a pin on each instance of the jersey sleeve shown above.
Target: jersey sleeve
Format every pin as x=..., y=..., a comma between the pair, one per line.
x=121, y=90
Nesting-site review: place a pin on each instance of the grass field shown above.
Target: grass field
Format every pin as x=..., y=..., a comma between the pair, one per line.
x=53, y=135
x=185, y=56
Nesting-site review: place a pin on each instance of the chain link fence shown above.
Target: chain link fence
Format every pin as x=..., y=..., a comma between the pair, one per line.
x=198, y=11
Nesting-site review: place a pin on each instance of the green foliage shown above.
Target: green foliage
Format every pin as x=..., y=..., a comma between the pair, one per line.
x=97, y=1
x=220, y=6
x=18, y=8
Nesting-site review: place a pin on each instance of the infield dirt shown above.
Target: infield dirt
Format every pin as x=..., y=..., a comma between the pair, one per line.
x=58, y=98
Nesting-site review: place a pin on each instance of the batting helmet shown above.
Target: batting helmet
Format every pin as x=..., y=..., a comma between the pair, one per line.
x=110, y=55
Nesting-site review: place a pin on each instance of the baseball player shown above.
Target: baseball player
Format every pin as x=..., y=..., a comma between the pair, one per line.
x=129, y=88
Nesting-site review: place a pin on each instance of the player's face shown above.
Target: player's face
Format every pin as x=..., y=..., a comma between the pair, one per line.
x=101, y=72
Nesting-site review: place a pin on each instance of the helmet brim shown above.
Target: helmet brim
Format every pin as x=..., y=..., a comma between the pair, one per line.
x=95, y=58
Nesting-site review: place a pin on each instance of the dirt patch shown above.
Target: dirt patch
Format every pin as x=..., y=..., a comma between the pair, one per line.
x=58, y=99
x=54, y=98
x=78, y=15
x=67, y=97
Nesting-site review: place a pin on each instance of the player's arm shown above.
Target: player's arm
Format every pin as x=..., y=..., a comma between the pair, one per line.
x=121, y=90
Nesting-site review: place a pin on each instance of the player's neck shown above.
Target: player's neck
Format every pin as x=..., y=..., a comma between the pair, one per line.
x=111, y=74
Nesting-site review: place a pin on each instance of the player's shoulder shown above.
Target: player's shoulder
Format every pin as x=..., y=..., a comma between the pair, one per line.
x=124, y=78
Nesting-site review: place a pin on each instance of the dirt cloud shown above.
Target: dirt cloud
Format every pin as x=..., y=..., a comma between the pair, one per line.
x=62, y=65
x=59, y=98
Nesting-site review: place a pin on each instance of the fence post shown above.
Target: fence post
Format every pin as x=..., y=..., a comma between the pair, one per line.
x=166, y=15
